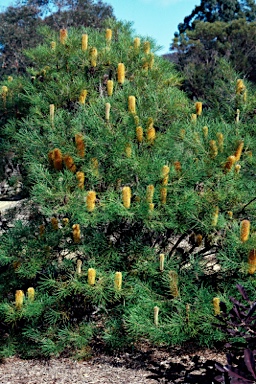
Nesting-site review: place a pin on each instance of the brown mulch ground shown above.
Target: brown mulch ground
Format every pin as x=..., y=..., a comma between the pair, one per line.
x=184, y=365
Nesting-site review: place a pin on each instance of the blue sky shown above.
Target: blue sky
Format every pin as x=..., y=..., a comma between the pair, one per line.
x=155, y=18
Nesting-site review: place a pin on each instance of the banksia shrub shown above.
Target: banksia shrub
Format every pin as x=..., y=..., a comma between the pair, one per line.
x=216, y=305
x=110, y=86
x=69, y=163
x=84, y=42
x=244, y=230
x=63, y=36
x=76, y=233
x=80, y=145
x=126, y=193
x=132, y=104
x=19, y=298
x=91, y=276
x=252, y=262
x=118, y=281
x=90, y=201
x=31, y=294
x=120, y=73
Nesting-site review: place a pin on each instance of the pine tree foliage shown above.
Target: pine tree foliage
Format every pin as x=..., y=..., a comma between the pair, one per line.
x=113, y=185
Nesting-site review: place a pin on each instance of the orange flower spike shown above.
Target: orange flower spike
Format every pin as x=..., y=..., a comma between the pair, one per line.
x=57, y=159
x=31, y=294
x=107, y=111
x=240, y=87
x=199, y=108
x=91, y=276
x=80, y=145
x=151, y=132
x=53, y=45
x=69, y=162
x=220, y=139
x=177, y=166
x=216, y=306
x=63, y=36
x=252, y=262
x=213, y=149
x=244, y=230
x=55, y=223
x=150, y=193
x=163, y=195
x=128, y=150
x=229, y=163
x=118, y=281
x=239, y=150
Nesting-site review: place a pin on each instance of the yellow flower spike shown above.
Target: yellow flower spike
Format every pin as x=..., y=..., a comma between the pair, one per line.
x=41, y=230
x=107, y=111
x=237, y=115
x=165, y=174
x=63, y=35
x=69, y=163
x=215, y=217
x=156, y=314
x=52, y=108
x=132, y=104
x=108, y=35
x=91, y=276
x=252, y=262
x=9, y=79
x=19, y=298
x=237, y=168
x=216, y=306
x=205, y=131
x=182, y=134
x=79, y=264
x=199, y=108
x=110, y=87
x=151, y=60
x=240, y=87
x=151, y=132
x=76, y=233
x=151, y=207
x=128, y=150
x=126, y=193
x=174, y=283
x=150, y=193
x=120, y=73
x=139, y=134
x=84, y=44
x=90, y=201
x=244, y=230
x=230, y=214
x=239, y=150
x=136, y=120
x=65, y=221
x=213, y=149
x=118, y=281
x=31, y=294
x=161, y=262
x=163, y=195
x=229, y=163
x=80, y=178
x=55, y=223
x=53, y=45
x=146, y=47
x=220, y=139
x=95, y=166
x=80, y=145
x=83, y=96
x=194, y=118
x=136, y=43
x=4, y=90
x=93, y=56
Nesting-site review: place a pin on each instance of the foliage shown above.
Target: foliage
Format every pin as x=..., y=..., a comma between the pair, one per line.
x=117, y=179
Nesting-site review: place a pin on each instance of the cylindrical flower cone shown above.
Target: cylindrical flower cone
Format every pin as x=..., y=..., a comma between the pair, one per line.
x=55, y=223
x=69, y=162
x=63, y=36
x=57, y=159
x=205, y=131
x=213, y=149
x=216, y=306
x=53, y=45
x=136, y=43
x=146, y=47
x=252, y=262
x=120, y=73
x=95, y=166
x=19, y=298
x=177, y=166
x=136, y=120
x=118, y=281
x=156, y=313
x=230, y=214
x=237, y=168
x=151, y=207
x=84, y=42
x=126, y=193
x=150, y=193
x=132, y=104
x=107, y=111
x=79, y=267
x=10, y=79
x=199, y=108
x=90, y=201
x=174, y=283
x=76, y=233
x=229, y=163
x=139, y=134
x=65, y=221
x=161, y=262
x=215, y=217
x=151, y=134
x=194, y=118
x=80, y=178
x=31, y=294
x=240, y=87
x=83, y=96
x=93, y=56
x=163, y=195
x=110, y=87
x=237, y=116
x=165, y=174
x=220, y=139
x=239, y=150
x=91, y=276
x=182, y=134
x=151, y=61
x=52, y=113
x=198, y=239
x=128, y=150
x=244, y=230
x=108, y=35
x=80, y=145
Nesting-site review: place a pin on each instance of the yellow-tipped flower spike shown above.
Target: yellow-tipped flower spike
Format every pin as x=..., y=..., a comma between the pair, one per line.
x=205, y=131
x=139, y=134
x=146, y=47
x=55, y=223
x=126, y=193
x=156, y=313
x=31, y=294
x=244, y=230
x=216, y=306
x=136, y=43
x=110, y=87
x=199, y=108
x=128, y=150
x=91, y=276
x=230, y=214
x=83, y=96
x=76, y=233
x=107, y=111
x=213, y=149
x=80, y=178
x=220, y=139
x=194, y=118
x=215, y=216
x=53, y=45
x=108, y=35
x=4, y=90
x=151, y=61
x=239, y=150
x=19, y=298
x=118, y=281
x=10, y=79
x=174, y=283
x=93, y=56
x=252, y=262
x=229, y=163
x=79, y=267
x=132, y=104
x=161, y=262
x=90, y=201
x=63, y=36
x=237, y=168
x=80, y=145
x=65, y=221
x=240, y=87
x=163, y=195
x=69, y=162
x=84, y=42
x=150, y=193
x=136, y=120
x=120, y=73
x=165, y=174
x=151, y=207
x=151, y=132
